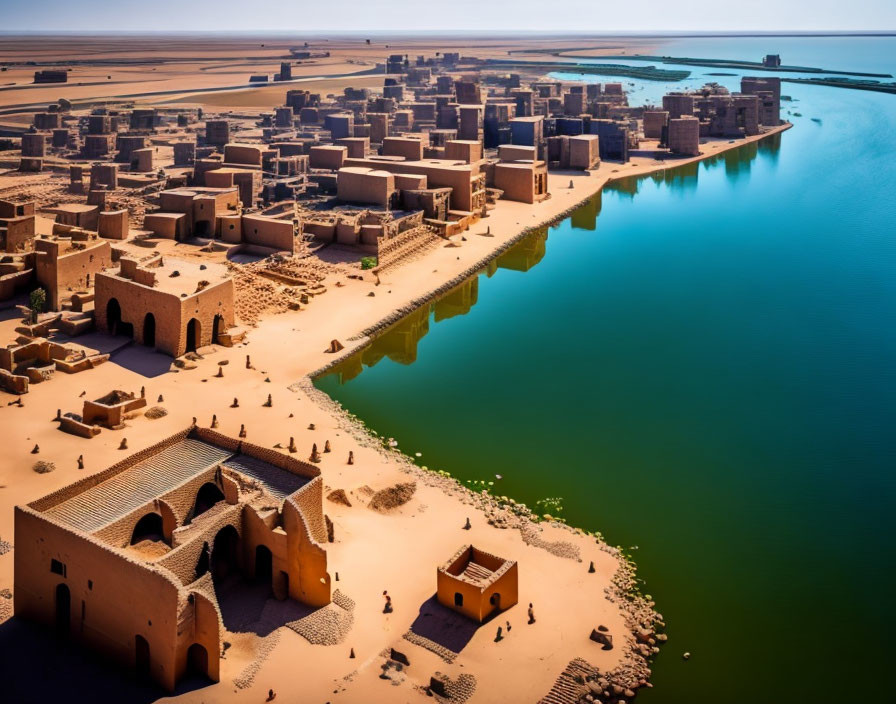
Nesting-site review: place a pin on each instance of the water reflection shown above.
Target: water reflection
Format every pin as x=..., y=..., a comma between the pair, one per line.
x=399, y=343
x=457, y=302
x=737, y=162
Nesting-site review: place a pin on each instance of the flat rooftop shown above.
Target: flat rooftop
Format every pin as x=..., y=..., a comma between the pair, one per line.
x=159, y=474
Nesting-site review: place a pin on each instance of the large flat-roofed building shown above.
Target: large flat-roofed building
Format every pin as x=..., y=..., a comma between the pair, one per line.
x=173, y=305
x=129, y=562
x=684, y=136
x=356, y=184
x=466, y=181
x=477, y=584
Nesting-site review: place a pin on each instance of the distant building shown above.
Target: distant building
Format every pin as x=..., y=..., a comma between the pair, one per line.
x=772, y=60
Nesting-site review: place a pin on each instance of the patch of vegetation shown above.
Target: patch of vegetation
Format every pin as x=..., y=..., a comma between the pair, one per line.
x=368, y=262
x=37, y=301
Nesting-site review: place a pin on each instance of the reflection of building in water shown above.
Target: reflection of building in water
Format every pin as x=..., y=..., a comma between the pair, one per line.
x=585, y=216
x=459, y=301
x=738, y=161
x=525, y=254
x=399, y=343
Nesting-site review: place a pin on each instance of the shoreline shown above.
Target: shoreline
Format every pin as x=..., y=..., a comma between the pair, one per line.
x=368, y=334
x=372, y=550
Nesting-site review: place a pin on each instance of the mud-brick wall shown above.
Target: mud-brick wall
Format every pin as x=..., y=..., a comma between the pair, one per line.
x=68, y=272
x=113, y=599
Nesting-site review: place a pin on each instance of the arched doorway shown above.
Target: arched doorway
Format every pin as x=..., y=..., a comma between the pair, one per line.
x=217, y=328
x=224, y=552
x=197, y=660
x=148, y=528
x=113, y=315
x=141, y=657
x=114, y=323
x=208, y=495
x=264, y=564
x=63, y=610
x=149, y=330
x=193, y=335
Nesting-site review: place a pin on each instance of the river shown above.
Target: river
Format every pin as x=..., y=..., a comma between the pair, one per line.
x=699, y=364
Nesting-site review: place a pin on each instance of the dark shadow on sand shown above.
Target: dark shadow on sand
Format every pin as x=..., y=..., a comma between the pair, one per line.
x=250, y=607
x=37, y=667
x=443, y=626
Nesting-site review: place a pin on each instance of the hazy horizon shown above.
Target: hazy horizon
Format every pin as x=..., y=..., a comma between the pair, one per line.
x=398, y=16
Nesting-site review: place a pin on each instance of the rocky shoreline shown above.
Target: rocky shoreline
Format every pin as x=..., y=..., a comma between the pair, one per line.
x=645, y=624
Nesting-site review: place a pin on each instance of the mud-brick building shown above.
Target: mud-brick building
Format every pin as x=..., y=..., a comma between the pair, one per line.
x=173, y=305
x=477, y=584
x=129, y=562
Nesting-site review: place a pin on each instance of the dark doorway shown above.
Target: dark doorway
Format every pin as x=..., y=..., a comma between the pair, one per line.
x=197, y=660
x=217, y=328
x=495, y=600
x=192, y=335
x=141, y=649
x=203, y=562
x=264, y=564
x=208, y=495
x=114, y=322
x=458, y=599
x=148, y=528
x=149, y=330
x=63, y=610
x=224, y=552
x=202, y=229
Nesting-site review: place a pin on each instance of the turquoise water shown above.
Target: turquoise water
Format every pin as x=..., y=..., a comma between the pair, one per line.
x=701, y=364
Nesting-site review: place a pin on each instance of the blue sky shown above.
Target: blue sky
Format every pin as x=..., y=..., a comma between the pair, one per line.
x=408, y=15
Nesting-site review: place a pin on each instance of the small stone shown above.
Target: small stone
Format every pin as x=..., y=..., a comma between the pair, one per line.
x=35, y=450
x=591, y=569
x=124, y=444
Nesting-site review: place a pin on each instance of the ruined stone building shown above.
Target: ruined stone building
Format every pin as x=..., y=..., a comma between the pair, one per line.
x=175, y=306
x=129, y=561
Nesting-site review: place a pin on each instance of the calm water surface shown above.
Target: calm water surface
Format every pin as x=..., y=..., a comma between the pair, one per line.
x=701, y=364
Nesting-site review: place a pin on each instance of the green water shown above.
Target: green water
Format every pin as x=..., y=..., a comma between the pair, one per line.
x=701, y=364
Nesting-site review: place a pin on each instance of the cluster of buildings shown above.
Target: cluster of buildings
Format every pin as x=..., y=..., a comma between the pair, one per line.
x=126, y=560
x=377, y=170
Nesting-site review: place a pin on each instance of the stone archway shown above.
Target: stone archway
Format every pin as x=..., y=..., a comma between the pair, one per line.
x=208, y=495
x=149, y=527
x=217, y=328
x=197, y=660
x=194, y=332
x=224, y=552
x=141, y=657
x=264, y=564
x=149, y=330
x=114, y=323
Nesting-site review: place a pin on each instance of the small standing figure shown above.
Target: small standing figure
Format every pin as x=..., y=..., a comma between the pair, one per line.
x=214, y=420
x=499, y=637
x=327, y=446
x=508, y=626
x=272, y=695
x=242, y=430
x=269, y=402
x=387, y=609
x=351, y=457
x=80, y=461
x=467, y=525
x=531, y=614
x=236, y=403
x=315, y=455
x=248, y=362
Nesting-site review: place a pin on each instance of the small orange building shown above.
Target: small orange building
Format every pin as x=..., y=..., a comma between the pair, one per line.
x=477, y=584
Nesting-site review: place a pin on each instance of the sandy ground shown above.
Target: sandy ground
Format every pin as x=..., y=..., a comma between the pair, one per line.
x=398, y=552
x=109, y=67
